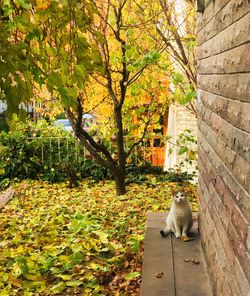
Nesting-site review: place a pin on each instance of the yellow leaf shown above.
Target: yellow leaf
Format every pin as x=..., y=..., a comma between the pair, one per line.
x=65, y=277
x=34, y=277
x=16, y=271
x=87, y=246
x=63, y=258
x=42, y=4
x=88, y=276
x=186, y=238
x=20, y=249
x=4, y=292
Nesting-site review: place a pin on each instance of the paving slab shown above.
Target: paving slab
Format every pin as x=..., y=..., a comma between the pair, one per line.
x=166, y=258
x=189, y=266
x=157, y=272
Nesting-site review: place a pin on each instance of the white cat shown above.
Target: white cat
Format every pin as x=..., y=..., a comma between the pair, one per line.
x=179, y=220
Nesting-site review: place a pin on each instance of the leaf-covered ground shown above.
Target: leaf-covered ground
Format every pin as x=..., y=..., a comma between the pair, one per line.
x=82, y=241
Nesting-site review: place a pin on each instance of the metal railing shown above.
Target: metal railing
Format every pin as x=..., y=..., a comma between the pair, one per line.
x=151, y=149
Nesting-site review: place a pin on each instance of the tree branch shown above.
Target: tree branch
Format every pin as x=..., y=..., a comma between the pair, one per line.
x=92, y=146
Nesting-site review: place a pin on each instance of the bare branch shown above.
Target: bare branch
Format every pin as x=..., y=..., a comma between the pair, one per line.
x=92, y=146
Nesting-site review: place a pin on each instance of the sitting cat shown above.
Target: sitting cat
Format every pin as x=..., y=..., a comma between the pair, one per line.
x=179, y=220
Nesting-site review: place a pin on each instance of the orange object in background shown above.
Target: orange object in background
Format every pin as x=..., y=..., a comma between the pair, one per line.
x=158, y=156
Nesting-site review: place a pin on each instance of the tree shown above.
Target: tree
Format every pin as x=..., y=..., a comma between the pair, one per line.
x=16, y=66
x=175, y=24
x=124, y=57
x=73, y=46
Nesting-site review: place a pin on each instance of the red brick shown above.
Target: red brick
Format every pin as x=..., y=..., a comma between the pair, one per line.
x=226, y=243
x=233, y=86
x=232, y=36
x=241, y=279
x=239, y=223
x=212, y=8
x=240, y=143
x=237, y=140
x=248, y=239
x=232, y=61
x=220, y=186
x=241, y=171
x=240, y=196
x=235, y=112
x=214, y=21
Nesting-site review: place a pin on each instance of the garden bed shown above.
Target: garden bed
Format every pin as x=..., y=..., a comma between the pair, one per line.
x=56, y=240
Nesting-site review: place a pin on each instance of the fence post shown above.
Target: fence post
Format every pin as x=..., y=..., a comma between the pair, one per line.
x=84, y=154
x=50, y=146
x=75, y=149
x=67, y=147
x=42, y=154
x=59, y=151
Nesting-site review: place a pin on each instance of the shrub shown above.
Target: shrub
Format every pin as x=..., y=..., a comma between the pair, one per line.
x=30, y=150
x=43, y=151
x=47, y=152
x=137, y=174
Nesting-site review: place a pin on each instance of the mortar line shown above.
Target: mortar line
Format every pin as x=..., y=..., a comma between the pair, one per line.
x=173, y=263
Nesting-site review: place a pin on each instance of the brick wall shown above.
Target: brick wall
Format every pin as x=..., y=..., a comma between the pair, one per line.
x=223, y=54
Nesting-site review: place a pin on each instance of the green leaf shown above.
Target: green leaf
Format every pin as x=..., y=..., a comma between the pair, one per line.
x=76, y=258
x=76, y=226
x=81, y=71
x=152, y=56
x=75, y=283
x=132, y=275
x=67, y=98
x=24, y=4
x=82, y=43
x=58, y=288
x=178, y=77
x=55, y=80
x=183, y=150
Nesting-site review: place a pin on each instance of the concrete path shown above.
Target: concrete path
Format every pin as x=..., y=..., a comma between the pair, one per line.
x=172, y=267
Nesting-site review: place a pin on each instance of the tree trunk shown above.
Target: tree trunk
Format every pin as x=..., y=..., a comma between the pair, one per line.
x=119, y=174
x=120, y=183
x=116, y=167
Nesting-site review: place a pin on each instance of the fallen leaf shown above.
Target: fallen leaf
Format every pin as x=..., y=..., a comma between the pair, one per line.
x=195, y=261
x=186, y=238
x=70, y=238
x=58, y=288
x=16, y=282
x=159, y=275
x=132, y=275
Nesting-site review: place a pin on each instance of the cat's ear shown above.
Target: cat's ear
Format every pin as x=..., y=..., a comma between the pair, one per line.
x=174, y=196
x=174, y=193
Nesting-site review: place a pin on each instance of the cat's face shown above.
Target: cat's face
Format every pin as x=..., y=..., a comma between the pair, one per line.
x=179, y=198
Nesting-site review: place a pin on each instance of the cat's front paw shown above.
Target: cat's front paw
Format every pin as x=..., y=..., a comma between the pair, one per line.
x=178, y=235
x=162, y=233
